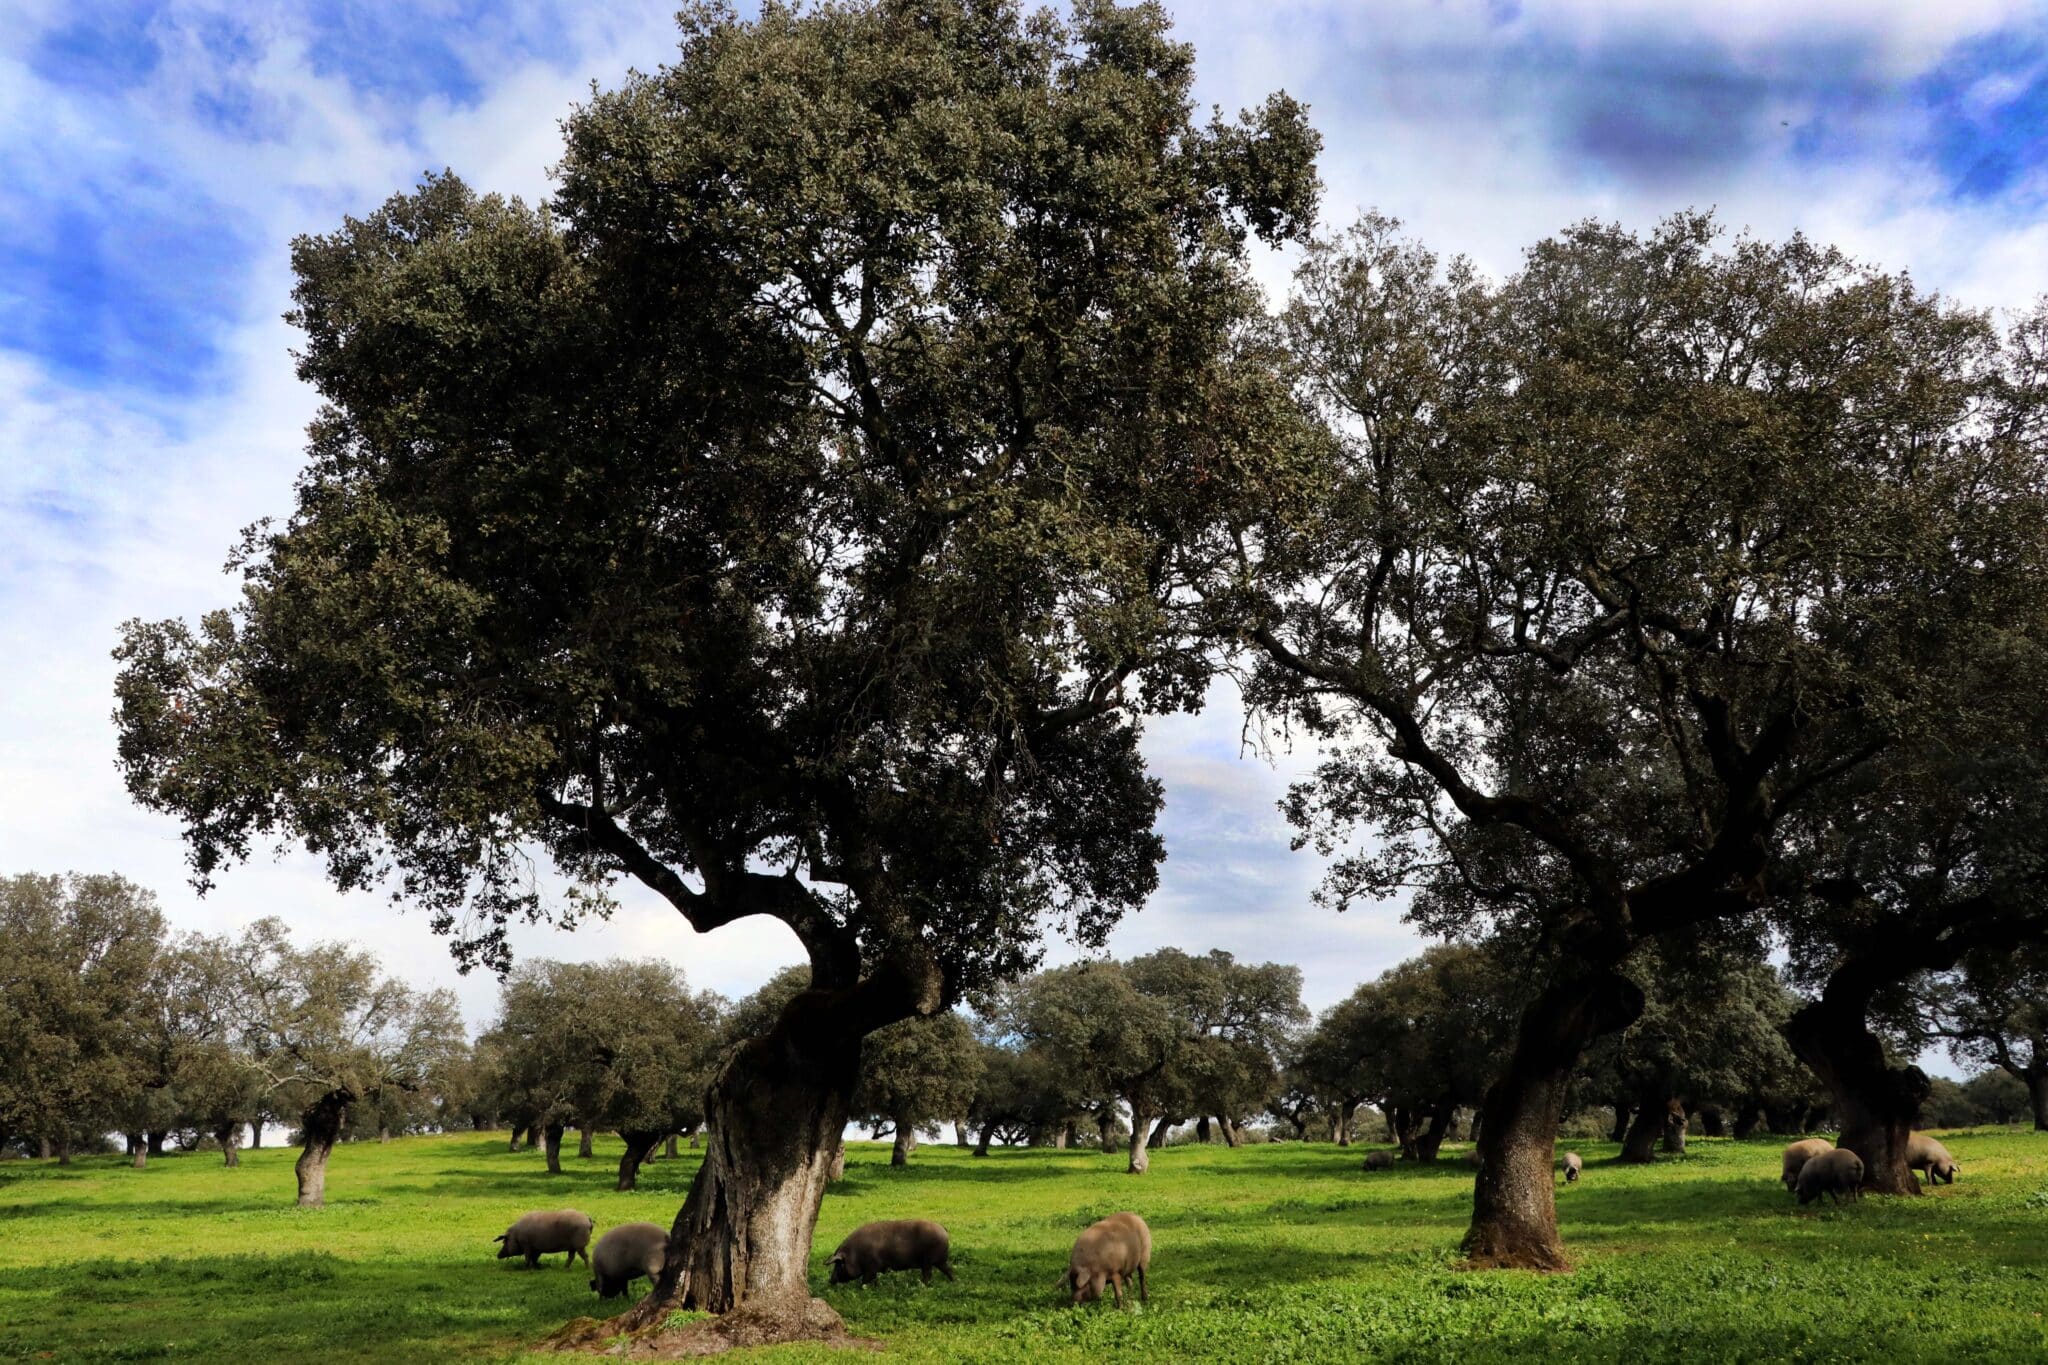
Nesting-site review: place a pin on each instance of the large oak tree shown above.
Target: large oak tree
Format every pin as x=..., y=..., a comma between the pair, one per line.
x=783, y=519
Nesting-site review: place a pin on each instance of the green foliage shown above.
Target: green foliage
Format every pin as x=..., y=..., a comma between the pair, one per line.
x=918, y=1073
x=1278, y=1252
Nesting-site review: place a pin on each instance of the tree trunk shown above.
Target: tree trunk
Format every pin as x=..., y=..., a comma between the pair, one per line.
x=1674, y=1127
x=1201, y=1129
x=1877, y=1104
x=988, y=1131
x=256, y=1133
x=1340, y=1127
x=1406, y=1124
x=513, y=1145
x=1640, y=1145
x=64, y=1149
x=1712, y=1122
x=2037, y=1093
x=1229, y=1130
x=554, y=1148
x=1622, y=1114
x=1748, y=1118
x=583, y=1148
x=1158, y=1138
x=139, y=1150
x=1514, y=1205
x=1140, y=1158
x=230, y=1136
x=1430, y=1140
x=961, y=1137
x=775, y=1112
x=156, y=1141
x=1105, y=1123
x=906, y=1143
x=43, y=1148
x=383, y=1132
x=320, y=1126
x=1070, y=1135
x=640, y=1145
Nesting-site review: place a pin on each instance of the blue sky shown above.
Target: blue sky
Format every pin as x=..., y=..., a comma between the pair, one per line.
x=156, y=160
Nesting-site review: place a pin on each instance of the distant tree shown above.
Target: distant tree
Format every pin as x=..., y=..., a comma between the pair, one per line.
x=916, y=1073
x=77, y=954
x=1022, y=1096
x=1113, y=1042
x=1335, y=1060
x=785, y=521
x=327, y=1029
x=1997, y=1096
x=1233, y=1021
x=1623, y=562
x=1993, y=1011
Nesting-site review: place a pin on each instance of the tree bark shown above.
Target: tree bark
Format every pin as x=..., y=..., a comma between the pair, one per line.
x=554, y=1148
x=43, y=1147
x=583, y=1148
x=320, y=1125
x=1877, y=1104
x=1231, y=1136
x=256, y=1133
x=1201, y=1129
x=1158, y=1138
x=1105, y=1124
x=230, y=1136
x=775, y=1112
x=1430, y=1140
x=1070, y=1135
x=1406, y=1124
x=640, y=1145
x=1340, y=1127
x=1640, y=1145
x=383, y=1132
x=961, y=1137
x=1514, y=1204
x=1712, y=1122
x=1622, y=1114
x=156, y=1141
x=906, y=1143
x=1748, y=1118
x=2037, y=1097
x=513, y=1145
x=64, y=1149
x=139, y=1150
x=981, y=1143
x=1141, y=1159
x=1674, y=1127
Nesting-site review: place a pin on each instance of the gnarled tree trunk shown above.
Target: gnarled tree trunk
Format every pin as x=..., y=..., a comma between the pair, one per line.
x=554, y=1147
x=513, y=1144
x=321, y=1126
x=981, y=1143
x=1514, y=1205
x=1652, y=1114
x=1876, y=1103
x=1158, y=1137
x=1231, y=1136
x=1674, y=1126
x=1430, y=1140
x=640, y=1145
x=1141, y=1160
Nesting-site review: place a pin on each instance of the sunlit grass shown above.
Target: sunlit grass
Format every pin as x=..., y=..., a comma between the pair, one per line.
x=1276, y=1253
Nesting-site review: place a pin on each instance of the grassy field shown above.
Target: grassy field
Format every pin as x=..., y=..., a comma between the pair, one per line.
x=1272, y=1253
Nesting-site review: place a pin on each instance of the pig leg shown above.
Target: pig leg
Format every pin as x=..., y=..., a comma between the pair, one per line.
x=926, y=1274
x=533, y=1260
x=1141, y=1286
x=1116, y=1289
x=946, y=1269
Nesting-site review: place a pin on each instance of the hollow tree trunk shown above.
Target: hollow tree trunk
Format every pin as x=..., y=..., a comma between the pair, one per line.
x=230, y=1136
x=1622, y=1114
x=583, y=1138
x=640, y=1145
x=156, y=1141
x=554, y=1148
x=906, y=1143
x=1877, y=1104
x=320, y=1125
x=1141, y=1159
x=775, y=1113
x=1674, y=1127
x=1430, y=1140
x=1514, y=1205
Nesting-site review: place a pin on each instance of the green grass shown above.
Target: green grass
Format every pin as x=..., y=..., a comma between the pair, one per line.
x=1282, y=1253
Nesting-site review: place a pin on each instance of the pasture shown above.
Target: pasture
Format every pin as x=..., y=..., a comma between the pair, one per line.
x=1283, y=1253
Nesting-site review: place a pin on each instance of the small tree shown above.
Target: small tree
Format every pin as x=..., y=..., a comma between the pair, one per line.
x=326, y=1029
x=915, y=1074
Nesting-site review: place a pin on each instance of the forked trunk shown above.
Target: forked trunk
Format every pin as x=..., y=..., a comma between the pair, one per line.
x=640, y=1145
x=321, y=1125
x=554, y=1144
x=1514, y=1205
x=583, y=1148
x=775, y=1114
x=230, y=1135
x=906, y=1143
x=1141, y=1159
x=1876, y=1103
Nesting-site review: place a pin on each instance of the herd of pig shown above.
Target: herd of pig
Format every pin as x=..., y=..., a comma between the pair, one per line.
x=1106, y=1256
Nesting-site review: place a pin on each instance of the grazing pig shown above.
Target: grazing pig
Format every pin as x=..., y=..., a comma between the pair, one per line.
x=1573, y=1164
x=1923, y=1153
x=1109, y=1253
x=1379, y=1161
x=626, y=1253
x=900, y=1244
x=537, y=1234
x=1797, y=1154
x=1837, y=1172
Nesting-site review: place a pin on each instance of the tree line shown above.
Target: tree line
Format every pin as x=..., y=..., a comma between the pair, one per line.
x=810, y=536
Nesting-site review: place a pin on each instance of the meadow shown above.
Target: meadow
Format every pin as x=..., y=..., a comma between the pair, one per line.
x=1282, y=1252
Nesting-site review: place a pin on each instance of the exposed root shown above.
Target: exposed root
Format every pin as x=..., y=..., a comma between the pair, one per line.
x=1490, y=1255
x=751, y=1324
